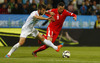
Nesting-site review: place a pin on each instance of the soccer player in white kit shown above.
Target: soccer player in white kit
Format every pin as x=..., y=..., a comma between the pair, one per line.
x=28, y=29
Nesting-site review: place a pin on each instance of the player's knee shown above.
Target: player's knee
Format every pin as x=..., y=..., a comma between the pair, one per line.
x=49, y=38
x=42, y=38
x=21, y=43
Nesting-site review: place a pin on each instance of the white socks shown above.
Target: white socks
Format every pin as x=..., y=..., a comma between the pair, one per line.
x=49, y=43
x=13, y=49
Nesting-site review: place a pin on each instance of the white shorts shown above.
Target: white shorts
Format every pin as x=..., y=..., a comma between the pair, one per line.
x=26, y=32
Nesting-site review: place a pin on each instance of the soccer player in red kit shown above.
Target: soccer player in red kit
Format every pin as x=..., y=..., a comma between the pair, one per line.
x=55, y=27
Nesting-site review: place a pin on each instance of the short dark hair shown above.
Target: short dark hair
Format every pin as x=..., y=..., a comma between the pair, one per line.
x=41, y=6
x=61, y=4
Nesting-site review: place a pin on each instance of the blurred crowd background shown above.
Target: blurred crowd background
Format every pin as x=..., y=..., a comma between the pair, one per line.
x=79, y=7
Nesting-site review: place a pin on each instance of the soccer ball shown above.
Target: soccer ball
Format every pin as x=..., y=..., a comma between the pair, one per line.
x=66, y=54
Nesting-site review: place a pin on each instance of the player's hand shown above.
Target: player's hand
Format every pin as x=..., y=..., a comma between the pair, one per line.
x=52, y=13
x=75, y=18
x=51, y=18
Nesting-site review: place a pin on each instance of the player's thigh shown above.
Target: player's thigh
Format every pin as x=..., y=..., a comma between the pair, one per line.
x=25, y=32
x=49, y=38
x=34, y=33
x=49, y=32
x=55, y=37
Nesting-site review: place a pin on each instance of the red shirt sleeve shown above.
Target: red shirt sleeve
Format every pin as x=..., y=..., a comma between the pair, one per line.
x=52, y=10
x=70, y=14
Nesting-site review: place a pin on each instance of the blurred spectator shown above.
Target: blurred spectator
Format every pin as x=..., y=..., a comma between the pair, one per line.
x=11, y=3
x=3, y=10
x=0, y=5
x=20, y=7
x=71, y=7
x=45, y=2
x=0, y=10
x=50, y=2
x=9, y=9
x=41, y=2
x=27, y=4
x=33, y=8
x=67, y=3
x=37, y=1
x=79, y=3
x=95, y=8
x=97, y=24
x=89, y=6
x=5, y=2
x=49, y=6
x=25, y=10
x=15, y=10
x=24, y=1
x=98, y=10
x=83, y=9
x=55, y=3
x=33, y=2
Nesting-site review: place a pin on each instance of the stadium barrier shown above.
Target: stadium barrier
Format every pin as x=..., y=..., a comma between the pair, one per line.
x=16, y=21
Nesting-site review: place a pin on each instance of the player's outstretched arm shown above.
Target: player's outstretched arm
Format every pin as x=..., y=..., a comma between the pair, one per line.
x=71, y=14
x=42, y=18
x=50, y=13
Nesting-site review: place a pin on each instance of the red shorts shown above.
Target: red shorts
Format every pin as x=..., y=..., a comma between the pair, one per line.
x=52, y=33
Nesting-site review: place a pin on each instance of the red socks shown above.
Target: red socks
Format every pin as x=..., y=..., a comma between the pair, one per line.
x=41, y=48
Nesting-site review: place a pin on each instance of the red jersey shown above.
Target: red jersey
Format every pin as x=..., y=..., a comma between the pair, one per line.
x=59, y=19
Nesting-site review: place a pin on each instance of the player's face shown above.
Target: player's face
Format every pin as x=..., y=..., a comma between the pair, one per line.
x=61, y=9
x=42, y=11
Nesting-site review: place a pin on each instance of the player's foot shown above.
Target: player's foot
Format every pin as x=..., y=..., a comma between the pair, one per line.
x=7, y=56
x=59, y=46
x=34, y=54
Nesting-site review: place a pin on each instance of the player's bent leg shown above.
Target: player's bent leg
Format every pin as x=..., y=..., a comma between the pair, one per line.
x=49, y=43
x=43, y=47
x=21, y=42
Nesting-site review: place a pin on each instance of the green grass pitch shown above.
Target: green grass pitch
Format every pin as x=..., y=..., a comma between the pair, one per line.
x=78, y=55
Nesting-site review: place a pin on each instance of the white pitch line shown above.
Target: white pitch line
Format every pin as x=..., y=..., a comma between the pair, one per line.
x=60, y=60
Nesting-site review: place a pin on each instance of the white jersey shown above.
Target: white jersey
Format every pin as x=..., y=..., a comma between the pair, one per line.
x=31, y=20
x=28, y=27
